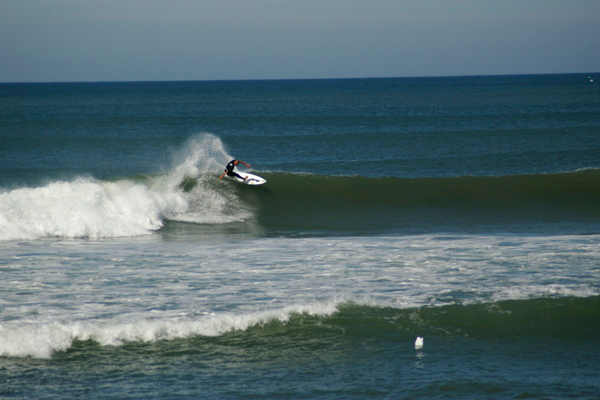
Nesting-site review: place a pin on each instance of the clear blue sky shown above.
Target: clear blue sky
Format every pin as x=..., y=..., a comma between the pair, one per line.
x=133, y=40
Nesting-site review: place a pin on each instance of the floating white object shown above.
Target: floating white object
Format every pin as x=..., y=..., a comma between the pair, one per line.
x=419, y=343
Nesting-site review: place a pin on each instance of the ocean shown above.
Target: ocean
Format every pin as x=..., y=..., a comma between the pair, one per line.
x=463, y=210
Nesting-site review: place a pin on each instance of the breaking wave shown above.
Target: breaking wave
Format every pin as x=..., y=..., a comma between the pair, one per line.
x=86, y=207
x=564, y=317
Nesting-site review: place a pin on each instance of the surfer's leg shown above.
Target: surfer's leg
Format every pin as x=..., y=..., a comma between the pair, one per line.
x=237, y=175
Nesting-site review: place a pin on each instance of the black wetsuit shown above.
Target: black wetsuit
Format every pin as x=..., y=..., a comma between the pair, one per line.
x=230, y=172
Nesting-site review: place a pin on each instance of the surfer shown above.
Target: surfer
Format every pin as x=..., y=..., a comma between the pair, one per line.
x=229, y=169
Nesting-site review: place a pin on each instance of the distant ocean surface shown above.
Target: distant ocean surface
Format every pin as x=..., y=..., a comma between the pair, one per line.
x=464, y=210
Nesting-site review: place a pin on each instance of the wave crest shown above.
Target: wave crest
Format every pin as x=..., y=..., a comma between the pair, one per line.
x=42, y=341
x=86, y=207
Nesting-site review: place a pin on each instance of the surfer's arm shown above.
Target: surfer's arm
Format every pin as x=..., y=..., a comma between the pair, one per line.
x=247, y=165
x=222, y=175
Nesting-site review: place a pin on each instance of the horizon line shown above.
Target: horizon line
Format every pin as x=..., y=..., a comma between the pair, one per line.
x=299, y=79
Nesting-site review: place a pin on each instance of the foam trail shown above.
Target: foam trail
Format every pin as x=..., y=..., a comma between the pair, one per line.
x=43, y=340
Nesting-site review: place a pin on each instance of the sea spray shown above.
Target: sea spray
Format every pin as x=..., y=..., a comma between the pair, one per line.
x=86, y=207
x=200, y=155
x=209, y=202
x=442, y=198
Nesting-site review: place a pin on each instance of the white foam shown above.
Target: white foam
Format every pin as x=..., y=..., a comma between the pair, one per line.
x=41, y=341
x=200, y=155
x=147, y=289
x=98, y=209
x=208, y=206
x=84, y=208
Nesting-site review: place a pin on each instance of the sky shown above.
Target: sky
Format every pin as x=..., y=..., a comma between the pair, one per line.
x=152, y=40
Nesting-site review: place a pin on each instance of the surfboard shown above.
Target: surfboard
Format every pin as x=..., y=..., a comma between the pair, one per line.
x=251, y=179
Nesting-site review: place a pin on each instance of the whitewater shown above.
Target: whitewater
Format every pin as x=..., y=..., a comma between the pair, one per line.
x=148, y=290
x=88, y=207
x=126, y=298
x=462, y=210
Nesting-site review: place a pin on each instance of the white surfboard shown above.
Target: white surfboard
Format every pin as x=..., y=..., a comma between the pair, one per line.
x=251, y=179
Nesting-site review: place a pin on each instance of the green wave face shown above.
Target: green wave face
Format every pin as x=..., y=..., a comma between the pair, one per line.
x=521, y=203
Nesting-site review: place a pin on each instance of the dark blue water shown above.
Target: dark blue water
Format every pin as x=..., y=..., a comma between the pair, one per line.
x=465, y=210
x=426, y=127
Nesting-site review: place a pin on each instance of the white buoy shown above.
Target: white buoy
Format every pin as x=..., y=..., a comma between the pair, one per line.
x=419, y=343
